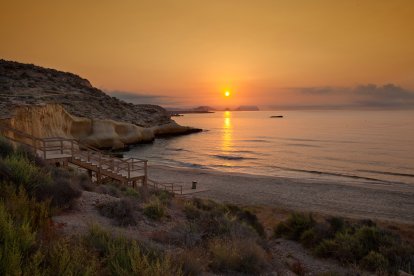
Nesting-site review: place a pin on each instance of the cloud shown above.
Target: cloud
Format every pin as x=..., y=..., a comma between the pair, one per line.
x=139, y=98
x=370, y=95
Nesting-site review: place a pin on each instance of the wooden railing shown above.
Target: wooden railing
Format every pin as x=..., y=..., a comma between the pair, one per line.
x=170, y=187
x=46, y=147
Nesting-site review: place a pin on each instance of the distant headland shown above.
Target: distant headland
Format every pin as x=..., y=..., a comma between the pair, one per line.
x=209, y=109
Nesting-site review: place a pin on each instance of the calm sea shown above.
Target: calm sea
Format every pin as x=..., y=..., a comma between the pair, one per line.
x=338, y=145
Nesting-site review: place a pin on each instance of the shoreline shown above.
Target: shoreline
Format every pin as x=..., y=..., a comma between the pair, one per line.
x=386, y=201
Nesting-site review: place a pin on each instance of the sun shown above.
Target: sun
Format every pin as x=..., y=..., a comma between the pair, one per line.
x=227, y=93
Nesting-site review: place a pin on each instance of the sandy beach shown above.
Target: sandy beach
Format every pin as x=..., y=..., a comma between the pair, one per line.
x=370, y=200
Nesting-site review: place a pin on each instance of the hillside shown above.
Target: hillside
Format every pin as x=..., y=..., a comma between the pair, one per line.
x=31, y=92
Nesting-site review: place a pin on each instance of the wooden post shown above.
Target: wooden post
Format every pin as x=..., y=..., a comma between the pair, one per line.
x=44, y=149
x=146, y=173
x=98, y=178
x=90, y=174
x=61, y=146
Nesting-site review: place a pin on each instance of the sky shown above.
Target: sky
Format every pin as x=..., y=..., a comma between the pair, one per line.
x=189, y=52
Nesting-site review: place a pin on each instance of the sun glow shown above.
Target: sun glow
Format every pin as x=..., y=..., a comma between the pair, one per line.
x=227, y=93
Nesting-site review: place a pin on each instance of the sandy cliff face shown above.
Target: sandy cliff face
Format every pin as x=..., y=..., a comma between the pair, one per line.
x=51, y=120
x=46, y=102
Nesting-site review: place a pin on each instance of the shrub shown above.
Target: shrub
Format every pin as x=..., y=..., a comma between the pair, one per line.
x=109, y=189
x=187, y=235
x=336, y=224
x=17, y=244
x=154, y=209
x=23, y=209
x=6, y=148
x=246, y=217
x=30, y=155
x=163, y=196
x=243, y=256
x=63, y=190
x=26, y=174
x=374, y=261
x=131, y=192
x=84, y=182
x=193, y=262
x=296, y=224
x=125, y=257
x=21, y=219
x=65, y=257
x=191, y=211
x=326, y=248
x=121, y=210
x=218, y=219
x=5, y=172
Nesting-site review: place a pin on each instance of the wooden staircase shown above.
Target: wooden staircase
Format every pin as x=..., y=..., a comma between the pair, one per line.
x=59, y=150
x=101, y=166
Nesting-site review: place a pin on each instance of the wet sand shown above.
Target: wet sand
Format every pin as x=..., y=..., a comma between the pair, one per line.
x=364, y=199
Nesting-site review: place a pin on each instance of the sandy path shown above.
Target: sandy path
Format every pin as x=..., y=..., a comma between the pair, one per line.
x=374, y=200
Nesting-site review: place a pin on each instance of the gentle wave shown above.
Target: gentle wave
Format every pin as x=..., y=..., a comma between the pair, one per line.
x=176, y=149
x=317, y=140
x=233, y=157
x=256, y=141
x=329, y=173
x=388, y=173
x=303, y=145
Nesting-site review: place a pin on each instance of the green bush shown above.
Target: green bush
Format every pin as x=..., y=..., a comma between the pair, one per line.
x=188, y=235
x=295, y=225
x=244, y=256
x=131, y=192
x=21, y=221
x=247, y=217
x=374, y=261
x=27, y=174
x=193, y=261
x=63, y=190
x=218, y=218
x=66, y=257
x=154, y=209
x=18, y=242
x=121, y=210
x=55, y=184
x=6, y=148
x=362, y=243
x=163, y=196
x=124, y=257
x=191, y=211
x=336, y=224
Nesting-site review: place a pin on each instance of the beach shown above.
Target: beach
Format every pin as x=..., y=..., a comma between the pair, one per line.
x=380, y=200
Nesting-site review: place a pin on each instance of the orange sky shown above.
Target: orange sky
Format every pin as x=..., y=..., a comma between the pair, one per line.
x=193, y=50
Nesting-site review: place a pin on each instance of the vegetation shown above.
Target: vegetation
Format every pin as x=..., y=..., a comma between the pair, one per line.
x=208, y=236
x=237, y=255
x=29, y=244
x=363, y=242
x=231, y=236
x=154, y=209
x=124, y=257
x=122, y=211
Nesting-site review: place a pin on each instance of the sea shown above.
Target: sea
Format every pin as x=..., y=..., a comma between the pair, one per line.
x=353, y=146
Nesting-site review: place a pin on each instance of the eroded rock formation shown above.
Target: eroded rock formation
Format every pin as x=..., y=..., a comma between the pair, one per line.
x=45, y=102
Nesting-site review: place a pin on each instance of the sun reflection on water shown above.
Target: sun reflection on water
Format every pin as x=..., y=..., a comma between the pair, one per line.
x=227, y=140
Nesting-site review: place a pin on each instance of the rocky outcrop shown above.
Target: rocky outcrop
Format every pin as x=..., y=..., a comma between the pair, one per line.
x=45, y=102
x=247, y=108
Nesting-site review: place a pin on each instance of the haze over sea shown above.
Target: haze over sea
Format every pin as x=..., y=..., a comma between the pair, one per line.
x=354, y=146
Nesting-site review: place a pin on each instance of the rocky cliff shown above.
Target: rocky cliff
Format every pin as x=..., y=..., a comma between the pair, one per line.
x=46, y=102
